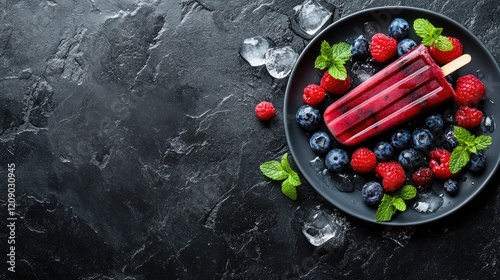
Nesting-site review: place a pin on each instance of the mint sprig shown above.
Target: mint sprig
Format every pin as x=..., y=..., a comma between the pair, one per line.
x=281, y=170
x=431, y=35
x=467, y=144
x=390, y=204
x=334, y=58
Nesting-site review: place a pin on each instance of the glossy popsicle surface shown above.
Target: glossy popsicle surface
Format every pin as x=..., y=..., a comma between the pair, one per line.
x=401, y=91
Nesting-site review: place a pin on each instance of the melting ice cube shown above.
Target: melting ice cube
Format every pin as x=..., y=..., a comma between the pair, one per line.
x=254, y=50
x=312, y=15
x=319, y=227
x=280, y=61
x=428, y=202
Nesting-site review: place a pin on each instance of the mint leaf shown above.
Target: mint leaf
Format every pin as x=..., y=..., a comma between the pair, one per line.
x=459, y=158
x=322, y=63
x=273, y=170
x=294, y=178
x=338, y=70
x=462, y=135
x=407, y=192
x=399, y=203
x=424, y=29
x=341, y=51
x=482, y=142
x=284, y=163
x=386, y=209
x=288, y=189
x=326, y=50
x=443, y=43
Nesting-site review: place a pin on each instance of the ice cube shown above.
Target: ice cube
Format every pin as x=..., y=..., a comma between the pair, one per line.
x=312, y=15
x=280, y=61
x=319, y=227
x=361, y=71
x=428, y=202
x=254, y=49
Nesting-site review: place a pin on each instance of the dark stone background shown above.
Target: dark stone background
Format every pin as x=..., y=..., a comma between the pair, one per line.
x=131, y=125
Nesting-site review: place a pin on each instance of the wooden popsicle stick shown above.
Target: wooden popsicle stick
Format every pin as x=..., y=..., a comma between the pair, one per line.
x=456, y=64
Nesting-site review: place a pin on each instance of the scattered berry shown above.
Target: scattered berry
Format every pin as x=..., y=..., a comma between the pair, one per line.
x=333, y=85
x=308, y=117
x=440, y=163
x=313, y=94
x=383, y=151
x=442, y=57
x=393, y=175
x=477, y=162
x=434, y=122
x=405, y=46
x=337, y=160
x=359, y=47
x=469, y=90
x=401, y=139
x=265, y=111
x=410, y=158
x=451, y=187
x=363, y=160
x=398, y=28
x=383, y=47
x=320, y=142
x=421, y=139
x=468, y=117
x=372, y=193
x=423, y=176
x=450, y=142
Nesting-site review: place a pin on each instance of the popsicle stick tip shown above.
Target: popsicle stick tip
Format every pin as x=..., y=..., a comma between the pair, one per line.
x=456, y=64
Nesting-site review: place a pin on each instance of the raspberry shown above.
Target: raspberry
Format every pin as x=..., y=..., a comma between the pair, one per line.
x=313, y=94
x=440, y=163
x=363, y=160
x=383, y=47
x=469, y=90
x=334, y=86
x=442, y=57
x=468, y=117
x=265, y=111
x=423, y=176
x=393, y=175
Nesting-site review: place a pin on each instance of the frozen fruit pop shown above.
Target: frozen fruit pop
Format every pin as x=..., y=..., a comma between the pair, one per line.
x=410, y=85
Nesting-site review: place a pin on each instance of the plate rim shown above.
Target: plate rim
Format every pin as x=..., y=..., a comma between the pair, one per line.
x=300, y=165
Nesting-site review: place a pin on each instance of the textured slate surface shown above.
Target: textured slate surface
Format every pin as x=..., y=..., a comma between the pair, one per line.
x=131, y=125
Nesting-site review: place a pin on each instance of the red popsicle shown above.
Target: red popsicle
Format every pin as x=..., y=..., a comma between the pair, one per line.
x=407, y=87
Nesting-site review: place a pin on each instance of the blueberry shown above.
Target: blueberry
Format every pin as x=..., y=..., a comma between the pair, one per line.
x=372, y=193
x=434, y=122
x=451, y=187
x=410, y=158
x=359, y=47
x=337, y=160
x=401, y=139
x=320, y=142
x=449, y=140
x=398, y=28
x=421, y=139
x=477, y=162
x=405, y=46
x=383, y=151
x=308, y=117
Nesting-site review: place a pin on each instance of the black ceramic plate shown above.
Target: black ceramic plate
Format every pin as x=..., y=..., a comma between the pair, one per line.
x=342, y=190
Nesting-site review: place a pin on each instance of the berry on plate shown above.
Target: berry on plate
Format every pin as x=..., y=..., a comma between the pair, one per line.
x=477, y=162
x=382, y=47
x=333, y=85
x=410, y=158
x=363, y=160
x=469, y=90
x=359, y=47
x=434, y=122
x=401, y=139
x=398, y=28
x=421, y=139
x=320, y=142
x=265, y=110
x=443, y=57
x=468, y=117
x=313, y=94
x=372, y=193
x=440, y=163
x=393, y=175
x=423, y=176
x=451, y=187
x=337, y=160
x=449, y=139
x=383, y=150
x=308, y=117
x=405, y=46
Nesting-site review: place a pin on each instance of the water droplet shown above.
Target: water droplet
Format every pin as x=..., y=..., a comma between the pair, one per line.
x=480, y=74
